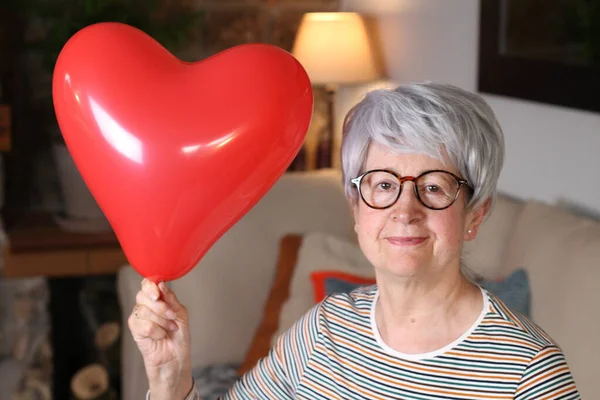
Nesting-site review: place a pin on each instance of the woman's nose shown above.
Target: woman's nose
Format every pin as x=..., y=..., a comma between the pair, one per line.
x=407, y=209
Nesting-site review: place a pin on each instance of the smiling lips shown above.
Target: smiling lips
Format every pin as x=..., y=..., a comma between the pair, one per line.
x=406, y=240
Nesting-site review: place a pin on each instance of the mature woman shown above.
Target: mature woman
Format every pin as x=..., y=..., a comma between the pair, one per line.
x=420, y=166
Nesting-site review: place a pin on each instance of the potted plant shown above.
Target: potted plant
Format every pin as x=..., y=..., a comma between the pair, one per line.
x=53, y=22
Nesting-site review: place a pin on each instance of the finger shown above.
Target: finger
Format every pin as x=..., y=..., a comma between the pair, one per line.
x=150, y=289
x=144, y=313
x=159, y=307
x=144, y=329
x=169, y=297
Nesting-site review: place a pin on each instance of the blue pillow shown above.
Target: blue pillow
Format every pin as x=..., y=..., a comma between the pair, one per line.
x=336, y=285
x=514, y=291
x=329, y=282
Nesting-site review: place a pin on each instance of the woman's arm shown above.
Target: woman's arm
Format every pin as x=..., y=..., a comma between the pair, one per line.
x=277, y=375
x=159, y=324
x=547, y=377
x=193, y=395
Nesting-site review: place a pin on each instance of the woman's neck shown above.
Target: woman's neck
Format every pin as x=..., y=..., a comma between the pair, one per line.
x=418, y=316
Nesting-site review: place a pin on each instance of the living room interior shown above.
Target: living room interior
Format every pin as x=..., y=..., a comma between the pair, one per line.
x=67, y=289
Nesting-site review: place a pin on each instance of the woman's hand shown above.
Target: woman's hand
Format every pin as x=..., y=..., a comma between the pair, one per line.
x=160, y=327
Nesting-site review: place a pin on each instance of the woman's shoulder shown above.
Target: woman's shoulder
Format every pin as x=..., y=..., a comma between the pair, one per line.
x=360, y=297
x=357, y=303
x=503, y=321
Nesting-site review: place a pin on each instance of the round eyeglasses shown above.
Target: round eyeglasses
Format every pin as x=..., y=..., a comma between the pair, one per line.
x=436, y=189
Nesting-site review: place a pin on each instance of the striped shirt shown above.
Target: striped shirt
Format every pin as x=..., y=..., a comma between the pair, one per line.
x=336, y=352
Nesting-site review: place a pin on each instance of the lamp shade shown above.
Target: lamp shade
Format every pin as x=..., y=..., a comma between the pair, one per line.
x=334, y=48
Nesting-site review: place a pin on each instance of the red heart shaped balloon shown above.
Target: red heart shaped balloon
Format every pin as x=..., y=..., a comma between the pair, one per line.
x=175, y=153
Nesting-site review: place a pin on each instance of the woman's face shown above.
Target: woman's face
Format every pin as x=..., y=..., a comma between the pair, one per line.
x=408, y=239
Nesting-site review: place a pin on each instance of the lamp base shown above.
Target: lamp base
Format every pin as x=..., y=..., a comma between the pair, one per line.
x=325, y=142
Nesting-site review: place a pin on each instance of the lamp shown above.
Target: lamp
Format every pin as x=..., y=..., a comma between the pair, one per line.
x=334, y=49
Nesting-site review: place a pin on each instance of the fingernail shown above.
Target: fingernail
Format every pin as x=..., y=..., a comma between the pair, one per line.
x=173, y=326
x=170, y=314
x=155, y=296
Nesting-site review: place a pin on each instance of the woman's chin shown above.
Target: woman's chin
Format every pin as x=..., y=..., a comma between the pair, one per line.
x=407, y=266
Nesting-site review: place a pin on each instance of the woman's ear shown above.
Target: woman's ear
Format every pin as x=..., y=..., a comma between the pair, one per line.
x=475, y=218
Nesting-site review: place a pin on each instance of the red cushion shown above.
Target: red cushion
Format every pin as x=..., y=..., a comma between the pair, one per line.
x=319, y=279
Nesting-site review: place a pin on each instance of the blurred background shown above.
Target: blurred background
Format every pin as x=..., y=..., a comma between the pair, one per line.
x=536, y=62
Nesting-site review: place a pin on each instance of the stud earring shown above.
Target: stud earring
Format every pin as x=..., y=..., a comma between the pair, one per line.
x=470, y=231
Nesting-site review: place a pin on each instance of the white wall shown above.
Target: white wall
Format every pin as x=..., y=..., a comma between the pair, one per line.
x=552, y=153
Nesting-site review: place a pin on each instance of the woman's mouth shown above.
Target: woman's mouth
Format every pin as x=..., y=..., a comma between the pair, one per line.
x=406, y=240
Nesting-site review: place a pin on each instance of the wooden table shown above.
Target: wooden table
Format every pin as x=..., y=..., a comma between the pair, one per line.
x=38, y=247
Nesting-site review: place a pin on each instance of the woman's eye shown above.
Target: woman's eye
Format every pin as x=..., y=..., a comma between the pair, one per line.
x=433, y=188
x=384, y=186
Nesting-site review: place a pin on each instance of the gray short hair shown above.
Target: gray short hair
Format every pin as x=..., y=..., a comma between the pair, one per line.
x=439, y=120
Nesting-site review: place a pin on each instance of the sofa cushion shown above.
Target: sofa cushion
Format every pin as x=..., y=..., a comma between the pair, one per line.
x=513, y=290
x=278, y=295
x=328, y=282
x=486, y=255
x=319, y=251
x=227, y=290
x=561, y=253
